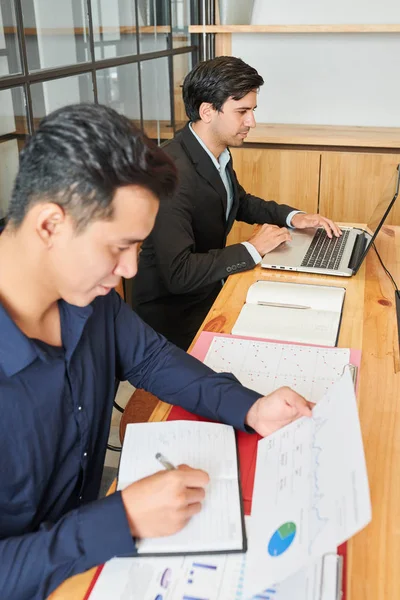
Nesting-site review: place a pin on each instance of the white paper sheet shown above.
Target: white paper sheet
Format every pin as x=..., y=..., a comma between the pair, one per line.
x=311, y=489
x=206, y=577
x=266, y=366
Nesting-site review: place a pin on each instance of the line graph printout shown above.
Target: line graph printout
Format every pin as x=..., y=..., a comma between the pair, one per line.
x=266, y=366
x=310, y=491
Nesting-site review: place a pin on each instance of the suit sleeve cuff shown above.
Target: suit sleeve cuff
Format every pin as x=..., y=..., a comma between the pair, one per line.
x=290, y=217
x=104, y=530
x=253, y=252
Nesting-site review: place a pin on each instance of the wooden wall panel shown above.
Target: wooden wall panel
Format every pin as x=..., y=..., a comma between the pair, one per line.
x=120, y=289
x=287, y=176
x=352, y=184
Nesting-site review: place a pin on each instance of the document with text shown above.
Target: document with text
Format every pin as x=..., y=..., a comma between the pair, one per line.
x=311, y=489
x=211, y=577
x=219, y=527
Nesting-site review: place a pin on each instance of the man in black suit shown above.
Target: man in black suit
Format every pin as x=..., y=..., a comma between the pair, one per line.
x=185, y=259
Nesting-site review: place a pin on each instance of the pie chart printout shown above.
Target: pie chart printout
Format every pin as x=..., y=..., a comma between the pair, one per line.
x=282, y=539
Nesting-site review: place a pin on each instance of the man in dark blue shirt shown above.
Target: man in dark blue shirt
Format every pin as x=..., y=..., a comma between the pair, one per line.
x=86, y=194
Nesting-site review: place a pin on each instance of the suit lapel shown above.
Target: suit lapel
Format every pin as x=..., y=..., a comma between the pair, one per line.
x=235, y=193
x=203, y=164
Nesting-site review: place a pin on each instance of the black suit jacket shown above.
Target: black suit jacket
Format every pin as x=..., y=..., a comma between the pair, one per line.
x=182, y=262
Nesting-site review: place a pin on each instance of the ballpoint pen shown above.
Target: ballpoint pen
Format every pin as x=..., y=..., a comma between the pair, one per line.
x=281, y=305
x=165, y=462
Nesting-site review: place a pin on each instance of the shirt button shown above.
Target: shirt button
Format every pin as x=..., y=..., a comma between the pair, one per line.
x=228, y=269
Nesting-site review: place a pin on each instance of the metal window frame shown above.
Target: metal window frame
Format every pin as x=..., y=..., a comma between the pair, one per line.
x=26, y=78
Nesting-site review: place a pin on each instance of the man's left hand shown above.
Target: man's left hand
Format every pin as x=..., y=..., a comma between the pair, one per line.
x=281, y=407
x=303, y=220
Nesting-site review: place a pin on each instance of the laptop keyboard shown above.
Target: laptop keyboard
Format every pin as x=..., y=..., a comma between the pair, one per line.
x=325, y=252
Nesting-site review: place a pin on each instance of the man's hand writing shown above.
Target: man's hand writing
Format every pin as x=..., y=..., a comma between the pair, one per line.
x=163, y=503
x=302, y=221
x=270, y=413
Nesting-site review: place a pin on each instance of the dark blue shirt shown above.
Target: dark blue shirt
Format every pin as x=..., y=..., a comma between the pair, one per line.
x=56, y=408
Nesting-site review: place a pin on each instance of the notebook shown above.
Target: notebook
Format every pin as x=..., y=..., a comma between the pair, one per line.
x=311, y=251
x=295, y=312
x=219, y=527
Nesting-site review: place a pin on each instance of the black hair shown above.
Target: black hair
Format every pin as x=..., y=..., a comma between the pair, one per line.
x=79, y=156
x=215, y=81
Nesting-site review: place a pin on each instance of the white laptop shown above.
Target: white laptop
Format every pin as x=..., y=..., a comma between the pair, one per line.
x=312, y=251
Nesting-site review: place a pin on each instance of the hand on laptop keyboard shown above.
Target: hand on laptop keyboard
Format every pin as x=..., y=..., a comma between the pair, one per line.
x=268, y=237
x=304, y=220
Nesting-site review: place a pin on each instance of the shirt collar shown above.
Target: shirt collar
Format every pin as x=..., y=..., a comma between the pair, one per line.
x=17, y=351
x=224, y=157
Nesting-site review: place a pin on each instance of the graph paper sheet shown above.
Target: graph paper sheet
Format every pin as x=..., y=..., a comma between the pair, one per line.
x=266, y=366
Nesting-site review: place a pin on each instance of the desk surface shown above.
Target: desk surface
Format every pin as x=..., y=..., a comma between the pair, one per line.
x=368, y=323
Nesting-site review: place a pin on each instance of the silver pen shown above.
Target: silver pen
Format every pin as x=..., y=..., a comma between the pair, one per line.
x=280, y=305
x=165, y=462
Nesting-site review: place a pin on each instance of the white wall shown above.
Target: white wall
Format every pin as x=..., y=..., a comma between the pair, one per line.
x=322, y=12
x=330, y=79
x=327, y=79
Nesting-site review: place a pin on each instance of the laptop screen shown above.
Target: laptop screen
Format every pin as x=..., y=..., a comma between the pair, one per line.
x=381, y=211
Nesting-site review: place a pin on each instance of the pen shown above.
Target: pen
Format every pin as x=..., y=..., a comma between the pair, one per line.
x=165, y=462
x=279, y=305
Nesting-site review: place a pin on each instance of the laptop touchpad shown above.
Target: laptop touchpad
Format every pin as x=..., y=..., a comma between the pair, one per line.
x=291, y=253
x=301, y=237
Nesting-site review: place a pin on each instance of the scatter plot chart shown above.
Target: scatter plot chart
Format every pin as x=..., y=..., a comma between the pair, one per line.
x=266, y=366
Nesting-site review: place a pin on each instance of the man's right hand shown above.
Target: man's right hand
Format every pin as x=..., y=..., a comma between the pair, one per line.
x=268, y=237
x=163, y=503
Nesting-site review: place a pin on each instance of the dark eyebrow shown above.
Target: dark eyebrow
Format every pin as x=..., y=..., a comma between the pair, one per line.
x=129, y=241
x=246, y=107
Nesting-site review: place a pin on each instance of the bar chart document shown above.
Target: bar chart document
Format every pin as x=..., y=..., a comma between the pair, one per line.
x=207, y=577
x=311, y=489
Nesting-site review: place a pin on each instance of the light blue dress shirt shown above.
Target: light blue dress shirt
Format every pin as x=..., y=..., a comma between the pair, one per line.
x=221, y=165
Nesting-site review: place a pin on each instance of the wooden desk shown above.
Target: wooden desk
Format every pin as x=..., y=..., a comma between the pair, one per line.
x=368, y=323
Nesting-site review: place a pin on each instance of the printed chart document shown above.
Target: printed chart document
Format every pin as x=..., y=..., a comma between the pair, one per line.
x=265, y=366
x=219, y=527
x=211, y=577
x=293, y=312
x=311, y=489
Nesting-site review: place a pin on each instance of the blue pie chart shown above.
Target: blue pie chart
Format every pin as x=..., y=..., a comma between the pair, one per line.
x=282, y=539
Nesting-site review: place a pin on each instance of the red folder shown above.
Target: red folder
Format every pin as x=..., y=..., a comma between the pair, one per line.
x=247, y=445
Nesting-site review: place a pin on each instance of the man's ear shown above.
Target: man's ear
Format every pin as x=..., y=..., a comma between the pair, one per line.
x=206, y=112
x=49, y=221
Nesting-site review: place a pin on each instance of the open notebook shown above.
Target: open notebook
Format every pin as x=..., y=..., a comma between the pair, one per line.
x=292, y=312
x=219, y=527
